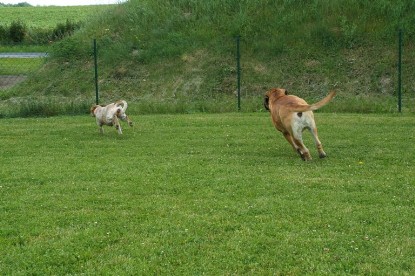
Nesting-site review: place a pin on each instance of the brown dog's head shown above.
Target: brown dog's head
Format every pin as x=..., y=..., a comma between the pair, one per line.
x=274, y=93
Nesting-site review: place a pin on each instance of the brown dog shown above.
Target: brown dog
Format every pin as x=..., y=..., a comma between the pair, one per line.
x=110, y=114
x=291, y=115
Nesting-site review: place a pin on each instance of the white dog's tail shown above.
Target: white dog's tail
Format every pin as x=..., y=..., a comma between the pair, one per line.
x=312, y=107
x=123, y=104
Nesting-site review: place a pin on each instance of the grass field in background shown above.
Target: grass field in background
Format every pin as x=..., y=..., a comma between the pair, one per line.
x=48, y=17
x=206, y=194
x=19, y=66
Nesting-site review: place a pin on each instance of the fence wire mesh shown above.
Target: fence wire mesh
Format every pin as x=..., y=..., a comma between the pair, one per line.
x=376, y=82
x=16, y=67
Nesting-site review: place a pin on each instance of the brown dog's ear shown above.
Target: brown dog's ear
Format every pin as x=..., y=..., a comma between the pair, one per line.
x=266, y=102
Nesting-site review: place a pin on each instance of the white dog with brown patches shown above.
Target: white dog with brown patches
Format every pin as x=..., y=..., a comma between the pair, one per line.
x=109, y=115
x=291, y=115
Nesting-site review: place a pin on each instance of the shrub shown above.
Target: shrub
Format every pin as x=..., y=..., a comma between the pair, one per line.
x=38, y=36
x=63, y=30
x=17, y=31
x=70, y=49
x=4, y=36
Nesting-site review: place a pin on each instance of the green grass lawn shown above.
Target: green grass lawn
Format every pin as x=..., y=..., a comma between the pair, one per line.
x=206, y=194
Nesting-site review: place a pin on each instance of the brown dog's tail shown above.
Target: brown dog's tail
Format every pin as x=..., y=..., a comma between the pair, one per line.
x=307, y=107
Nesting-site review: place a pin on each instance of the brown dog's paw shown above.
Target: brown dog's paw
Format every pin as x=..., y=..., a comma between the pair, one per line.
x=322, y=155
x=304, y=155
x=307, y=157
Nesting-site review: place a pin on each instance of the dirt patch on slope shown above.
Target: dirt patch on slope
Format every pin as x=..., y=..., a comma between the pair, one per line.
x=10, y=81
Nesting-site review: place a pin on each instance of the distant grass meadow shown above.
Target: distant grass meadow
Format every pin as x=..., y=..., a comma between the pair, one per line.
x=48, y=17
x=214, y=194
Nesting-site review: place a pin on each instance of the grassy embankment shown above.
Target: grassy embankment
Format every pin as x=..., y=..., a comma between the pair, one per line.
x=179, y=56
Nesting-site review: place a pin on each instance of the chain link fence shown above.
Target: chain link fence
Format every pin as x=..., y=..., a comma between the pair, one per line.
x=380, y=85
x=241, y=75
x=16, y=67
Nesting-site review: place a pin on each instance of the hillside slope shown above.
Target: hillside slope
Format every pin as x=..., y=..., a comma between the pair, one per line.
x=180, y=56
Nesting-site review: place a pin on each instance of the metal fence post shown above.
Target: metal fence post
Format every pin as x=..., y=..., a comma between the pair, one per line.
x=238, y=70
x=96, y=72
x=400, y=72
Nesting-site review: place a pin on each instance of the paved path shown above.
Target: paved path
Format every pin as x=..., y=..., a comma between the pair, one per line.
x=23, y=55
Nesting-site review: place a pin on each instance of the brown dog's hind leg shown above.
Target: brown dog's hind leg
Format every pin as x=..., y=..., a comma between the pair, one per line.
x=319, y=146
x=304, y=154
x=301, y=154
x=290, y=140
x=298, y=146
x=321, y=152
x=301, y=149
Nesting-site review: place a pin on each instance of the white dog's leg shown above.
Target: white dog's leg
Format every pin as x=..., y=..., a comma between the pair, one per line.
x=117, y=124
x=101, y=129
x=127, y=119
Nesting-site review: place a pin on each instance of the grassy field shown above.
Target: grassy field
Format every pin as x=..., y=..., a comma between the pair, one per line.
x=48, y=17
x=206, y=194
